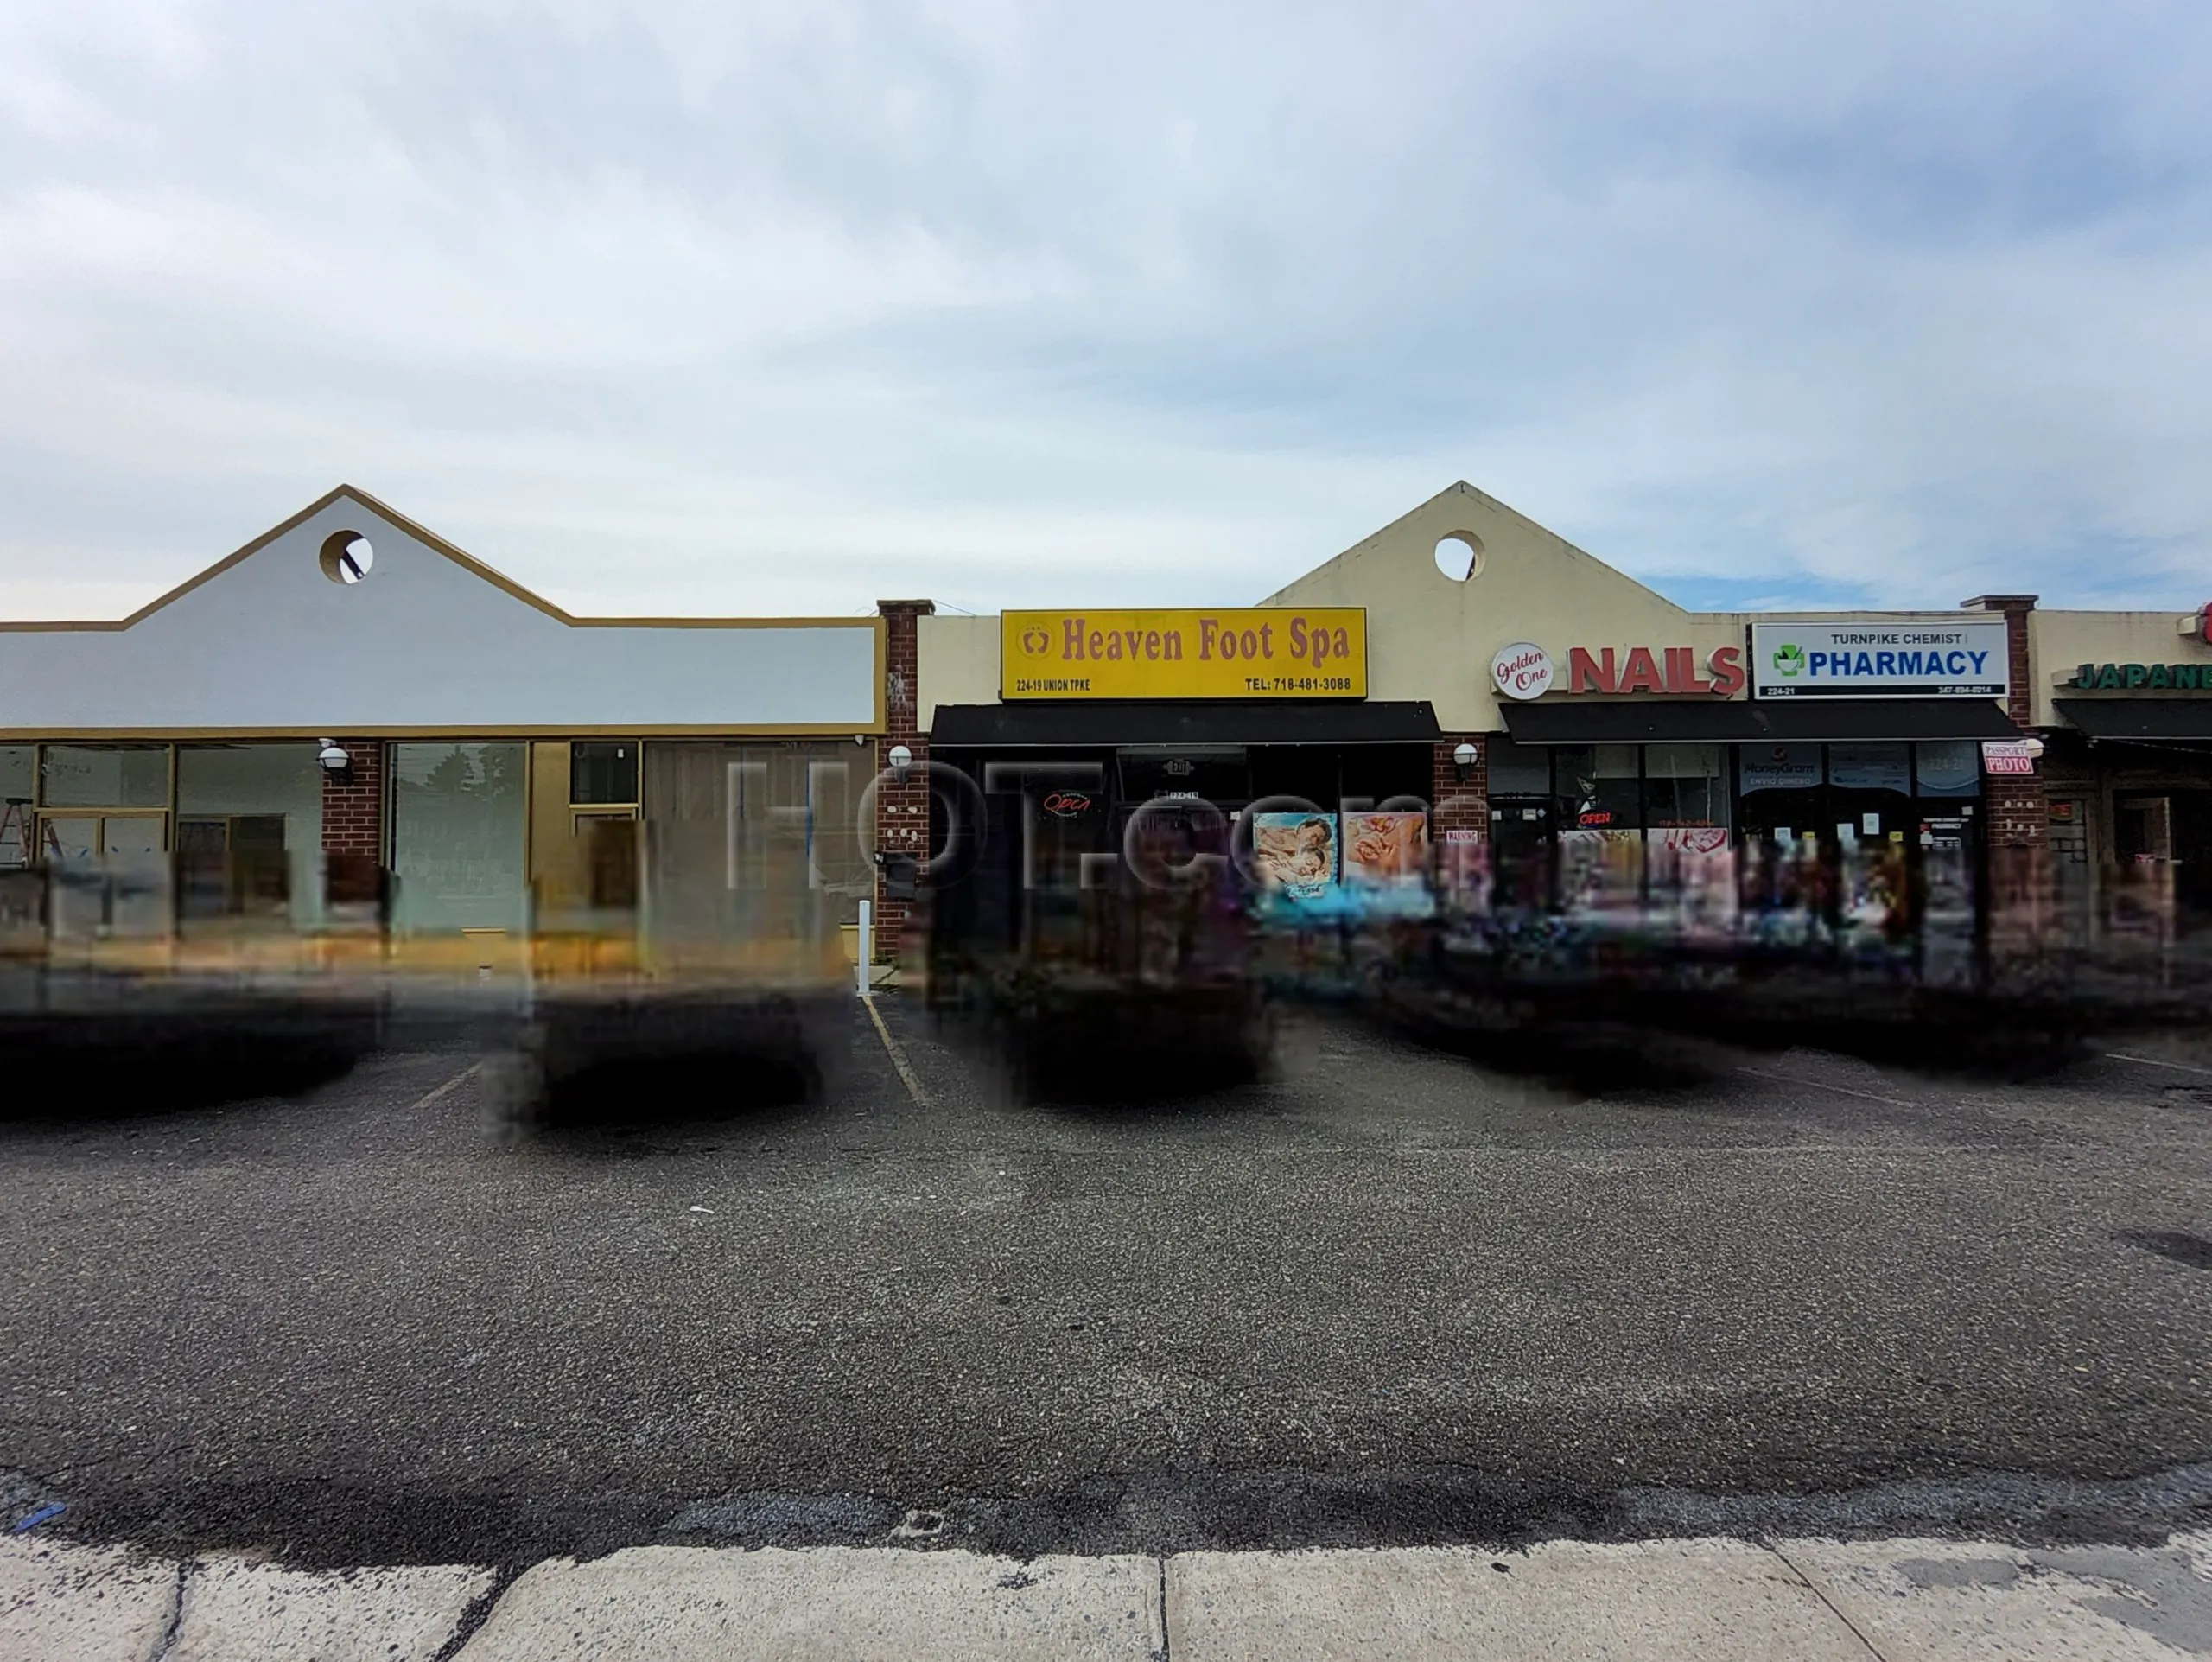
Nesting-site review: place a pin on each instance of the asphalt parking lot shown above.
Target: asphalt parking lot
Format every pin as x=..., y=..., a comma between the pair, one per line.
x=1391, y=1293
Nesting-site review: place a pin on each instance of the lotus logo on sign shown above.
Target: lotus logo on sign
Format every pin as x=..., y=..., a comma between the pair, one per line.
x=1790, y=660
x=1522, y=670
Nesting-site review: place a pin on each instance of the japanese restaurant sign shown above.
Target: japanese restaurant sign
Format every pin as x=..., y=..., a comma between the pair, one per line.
x=1264, y=652
x=2142, y=677
x=1901, y=658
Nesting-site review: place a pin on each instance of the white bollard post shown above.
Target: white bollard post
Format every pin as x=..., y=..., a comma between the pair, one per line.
x=868, y=944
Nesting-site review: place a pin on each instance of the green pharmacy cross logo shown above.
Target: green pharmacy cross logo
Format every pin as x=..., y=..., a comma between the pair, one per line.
x=1789, y=658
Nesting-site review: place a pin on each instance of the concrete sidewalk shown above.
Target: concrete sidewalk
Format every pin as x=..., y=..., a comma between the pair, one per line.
x=1808, y=1600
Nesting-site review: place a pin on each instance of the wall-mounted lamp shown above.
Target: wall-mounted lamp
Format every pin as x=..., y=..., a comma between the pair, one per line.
x=902, y=761
x=333, y=756
x=1463, y=756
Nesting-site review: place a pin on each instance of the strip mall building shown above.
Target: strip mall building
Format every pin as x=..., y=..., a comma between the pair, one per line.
x=350, y=711
x=1529, y=693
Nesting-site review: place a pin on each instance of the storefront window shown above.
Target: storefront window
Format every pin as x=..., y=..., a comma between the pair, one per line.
x=459, y=819
x=106, y=776
x=1219, y=774
x=18, y=788
x=1519, y=769
x=1778, y=767
x=602, y=772
x=70, y=837
x=249, y=828
x=1599, y=787
x=18, y=773
x=1951, y=768
x=748, y=841
x=1871, y=767
x=1685, y=784
x=1600, y=817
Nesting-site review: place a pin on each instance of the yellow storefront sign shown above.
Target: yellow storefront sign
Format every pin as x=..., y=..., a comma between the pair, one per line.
x=1267, y=652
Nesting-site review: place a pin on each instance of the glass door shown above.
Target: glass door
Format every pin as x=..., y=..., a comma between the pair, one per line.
x=460, y=838
x=1521, y=853
x=1877, y=844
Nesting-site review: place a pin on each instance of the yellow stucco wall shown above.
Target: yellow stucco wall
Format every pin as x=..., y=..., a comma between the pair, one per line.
x=957, y=661
x=1432, y=637
x=2059, y=643
x=1429, y=637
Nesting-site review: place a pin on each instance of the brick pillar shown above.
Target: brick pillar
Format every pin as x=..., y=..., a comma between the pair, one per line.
x=353, y=825
x=902, y=811
x=1461, y=804
x=2019, y=817
x=2020, y=910
x=353, y=802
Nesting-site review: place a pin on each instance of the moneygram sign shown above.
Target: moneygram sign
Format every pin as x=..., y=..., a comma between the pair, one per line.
x=1267, y=652
x=1913, y=658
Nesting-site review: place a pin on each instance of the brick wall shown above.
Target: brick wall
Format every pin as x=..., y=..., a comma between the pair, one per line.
x=2018, y=815
x=1460, y=804
x=352, y=803
x=902, y=811
x=2018, y=904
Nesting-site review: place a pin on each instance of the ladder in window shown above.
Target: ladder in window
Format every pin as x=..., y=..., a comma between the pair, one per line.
x=15, y=832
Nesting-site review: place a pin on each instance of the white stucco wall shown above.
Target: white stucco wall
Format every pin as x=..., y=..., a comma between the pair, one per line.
x=423, y=644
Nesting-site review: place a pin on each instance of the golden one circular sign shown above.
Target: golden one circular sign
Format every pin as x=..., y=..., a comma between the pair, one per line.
x=1522, y=670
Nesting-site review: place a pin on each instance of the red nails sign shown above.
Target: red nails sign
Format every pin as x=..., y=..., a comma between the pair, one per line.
x=1525, y=670
x=1662, y=670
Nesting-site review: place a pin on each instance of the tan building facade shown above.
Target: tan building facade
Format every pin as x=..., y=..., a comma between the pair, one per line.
x=1463, y=659
x=1589, y=704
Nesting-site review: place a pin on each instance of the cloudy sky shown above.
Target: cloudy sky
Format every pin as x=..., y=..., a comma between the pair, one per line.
x=775, y=308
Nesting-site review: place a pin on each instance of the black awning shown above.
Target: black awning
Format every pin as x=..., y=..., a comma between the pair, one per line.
x=1717, y=721
x=2139, y=718
x=1227, y=722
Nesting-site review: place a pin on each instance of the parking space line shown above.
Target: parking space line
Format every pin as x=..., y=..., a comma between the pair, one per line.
x=1822, y=1084
x=438, y=1094
x=2153, y=1062
x=898, y=1056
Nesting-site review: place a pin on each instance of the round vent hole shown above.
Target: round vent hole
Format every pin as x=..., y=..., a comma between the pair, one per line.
x=347, y=557
x=1459, y=555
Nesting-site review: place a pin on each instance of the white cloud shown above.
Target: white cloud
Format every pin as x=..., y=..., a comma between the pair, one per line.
x=783, y=307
